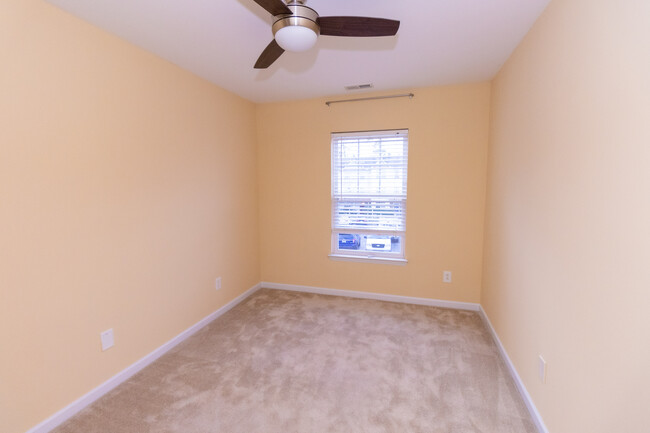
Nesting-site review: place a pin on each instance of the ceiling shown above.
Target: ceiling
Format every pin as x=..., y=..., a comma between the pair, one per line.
x=438, y=43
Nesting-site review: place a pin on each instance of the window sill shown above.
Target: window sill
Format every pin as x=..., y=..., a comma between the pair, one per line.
x=368, y=259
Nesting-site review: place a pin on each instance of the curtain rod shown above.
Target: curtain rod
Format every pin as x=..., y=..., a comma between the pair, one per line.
x=403, y=95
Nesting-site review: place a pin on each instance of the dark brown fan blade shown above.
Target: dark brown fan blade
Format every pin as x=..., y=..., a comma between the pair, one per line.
x=357, y=26
x=269, y=55
x=274, y=7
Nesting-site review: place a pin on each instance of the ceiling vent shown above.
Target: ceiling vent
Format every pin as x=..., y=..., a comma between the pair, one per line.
x=359, y=87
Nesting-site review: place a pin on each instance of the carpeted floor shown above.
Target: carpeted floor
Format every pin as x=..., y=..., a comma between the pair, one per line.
x=284, y=362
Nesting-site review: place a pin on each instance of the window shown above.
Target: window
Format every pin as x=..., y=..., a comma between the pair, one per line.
x=369, y=194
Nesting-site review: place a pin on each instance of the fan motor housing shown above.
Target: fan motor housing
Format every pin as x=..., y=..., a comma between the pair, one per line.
x=302, y=16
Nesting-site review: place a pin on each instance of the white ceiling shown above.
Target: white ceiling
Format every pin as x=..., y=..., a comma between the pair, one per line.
x=439, y=42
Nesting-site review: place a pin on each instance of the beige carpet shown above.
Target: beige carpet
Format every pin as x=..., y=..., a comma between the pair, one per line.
x=294, y=362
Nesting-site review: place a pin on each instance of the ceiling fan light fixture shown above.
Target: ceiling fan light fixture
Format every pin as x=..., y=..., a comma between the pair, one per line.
x=298, y=31
x=296, y=38
x=296, y=27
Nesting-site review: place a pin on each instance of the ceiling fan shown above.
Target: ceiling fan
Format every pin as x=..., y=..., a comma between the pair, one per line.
x=296, y=28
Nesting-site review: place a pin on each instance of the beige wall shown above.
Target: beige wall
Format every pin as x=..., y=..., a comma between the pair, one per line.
x=567, y=262
x=446, y=188
x=126, y=186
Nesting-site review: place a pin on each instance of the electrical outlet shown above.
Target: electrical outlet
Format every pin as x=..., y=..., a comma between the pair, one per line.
x=107, y=339
x=218, y=283
x=542, y=369
x=446, y=276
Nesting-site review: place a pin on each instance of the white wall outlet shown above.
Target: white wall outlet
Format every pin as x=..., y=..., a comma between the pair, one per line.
x=542, y=369
x=217, y=283
x=107, y=339
x=446, y=276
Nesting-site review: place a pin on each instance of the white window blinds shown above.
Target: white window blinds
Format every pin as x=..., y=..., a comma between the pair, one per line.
x=369, y=180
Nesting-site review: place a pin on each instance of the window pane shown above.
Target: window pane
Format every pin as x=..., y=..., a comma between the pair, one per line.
x=369, y=179
x=357, y=242
x=369, y=165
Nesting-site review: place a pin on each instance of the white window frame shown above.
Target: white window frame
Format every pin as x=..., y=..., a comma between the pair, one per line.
x=365, y=255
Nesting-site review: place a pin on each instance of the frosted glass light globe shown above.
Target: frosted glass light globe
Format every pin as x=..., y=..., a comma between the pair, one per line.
x=296, y=38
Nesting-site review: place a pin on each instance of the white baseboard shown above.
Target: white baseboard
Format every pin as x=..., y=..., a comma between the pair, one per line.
x=72, y=409
x=370, y=295
x=535, y=415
